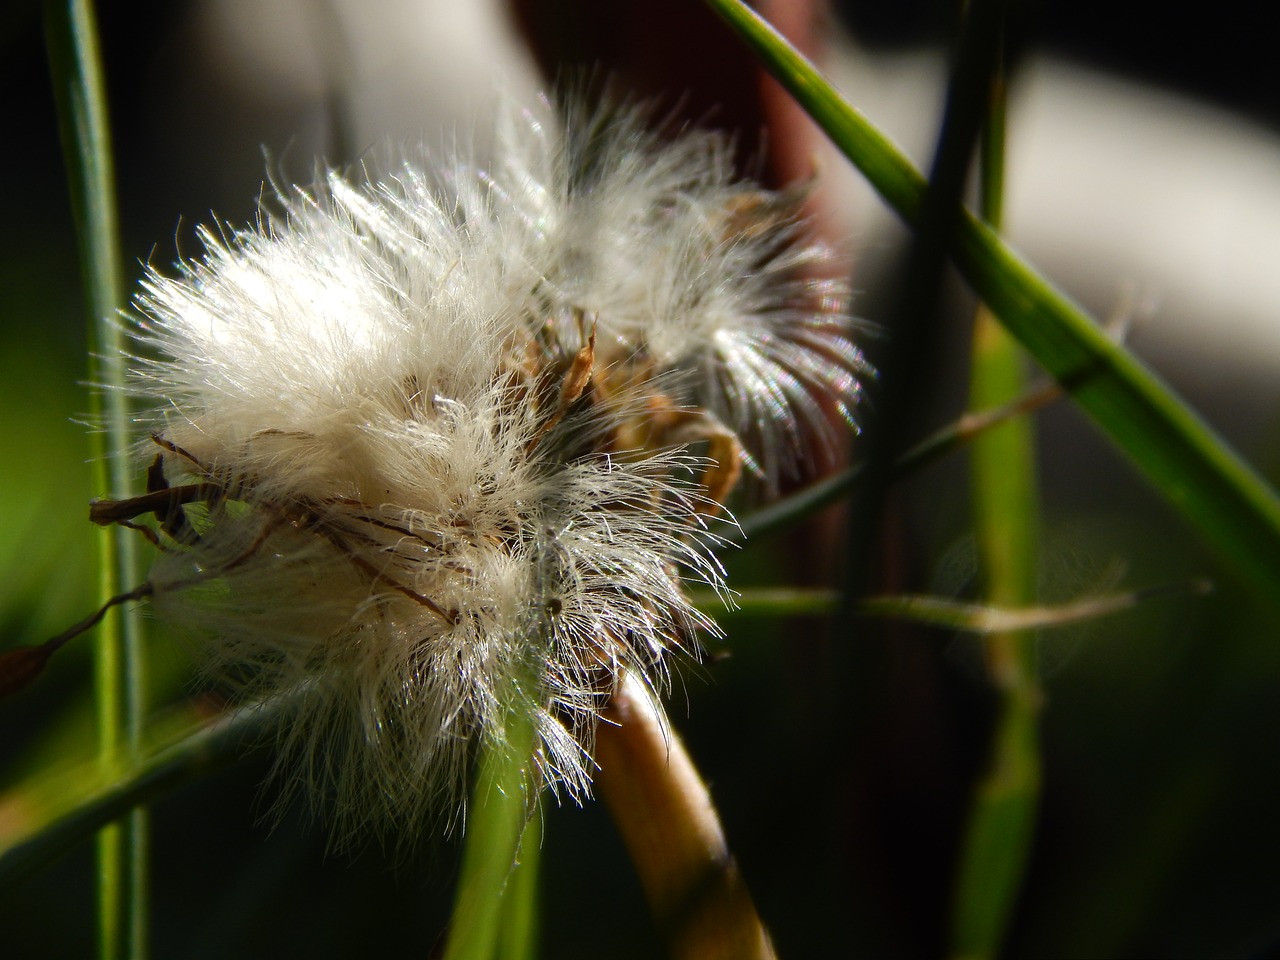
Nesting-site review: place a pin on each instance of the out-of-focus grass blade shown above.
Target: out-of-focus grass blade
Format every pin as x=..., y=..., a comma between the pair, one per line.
x=831, y=489
x=79, y=88
x=1199, y=473
x=998, y=836
x=769, y=602
x=942, y=612
x=983, y=618
x=49, y=815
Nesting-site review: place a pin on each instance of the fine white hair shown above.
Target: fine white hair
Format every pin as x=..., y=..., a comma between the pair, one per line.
x=409, y=427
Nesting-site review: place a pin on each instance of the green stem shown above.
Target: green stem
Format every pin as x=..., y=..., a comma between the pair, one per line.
x=1182, y=457
x=78, y=77
x=518, y=932
x=944, y=613
x=497, y=822
x=998, y=836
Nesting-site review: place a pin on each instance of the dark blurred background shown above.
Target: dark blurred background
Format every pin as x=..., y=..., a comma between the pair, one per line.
x=841, y=755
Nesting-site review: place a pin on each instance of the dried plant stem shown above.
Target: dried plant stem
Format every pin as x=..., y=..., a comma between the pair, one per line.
x=664, y=813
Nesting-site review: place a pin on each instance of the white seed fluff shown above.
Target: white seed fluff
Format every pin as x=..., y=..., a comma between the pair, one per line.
x=421, y=443
x=686, y=268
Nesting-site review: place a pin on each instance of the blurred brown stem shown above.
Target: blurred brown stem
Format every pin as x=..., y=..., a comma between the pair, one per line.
x=664, y=813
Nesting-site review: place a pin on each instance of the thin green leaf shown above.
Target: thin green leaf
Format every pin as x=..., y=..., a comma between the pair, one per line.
x=1182, y=457
x=78, y=78
x=769, y=602
x=997, y=842
x=809, y=500
x=77, y=803
x=942, y=612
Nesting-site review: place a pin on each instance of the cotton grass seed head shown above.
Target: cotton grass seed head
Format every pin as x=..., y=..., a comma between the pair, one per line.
x=687, y=268
x=440, y=447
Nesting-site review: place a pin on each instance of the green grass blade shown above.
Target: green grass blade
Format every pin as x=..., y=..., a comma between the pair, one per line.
x=75, y=804
x=999, y=833
x=76, y=61
x=1000, y=829
x=831, y=489
x=1180, y=455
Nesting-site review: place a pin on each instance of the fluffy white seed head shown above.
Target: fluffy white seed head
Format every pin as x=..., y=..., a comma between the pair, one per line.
x=686, y=268
x=421, y=452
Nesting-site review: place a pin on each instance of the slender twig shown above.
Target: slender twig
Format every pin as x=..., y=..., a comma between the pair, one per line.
x=21, y=665
x=945, y=613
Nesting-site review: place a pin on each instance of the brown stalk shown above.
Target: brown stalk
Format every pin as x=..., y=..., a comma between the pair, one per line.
x=673, y=834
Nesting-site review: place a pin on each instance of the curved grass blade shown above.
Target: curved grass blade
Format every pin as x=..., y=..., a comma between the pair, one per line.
x=1179, y=454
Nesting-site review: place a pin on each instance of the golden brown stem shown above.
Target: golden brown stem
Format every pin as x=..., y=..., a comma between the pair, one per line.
x=671, y=830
